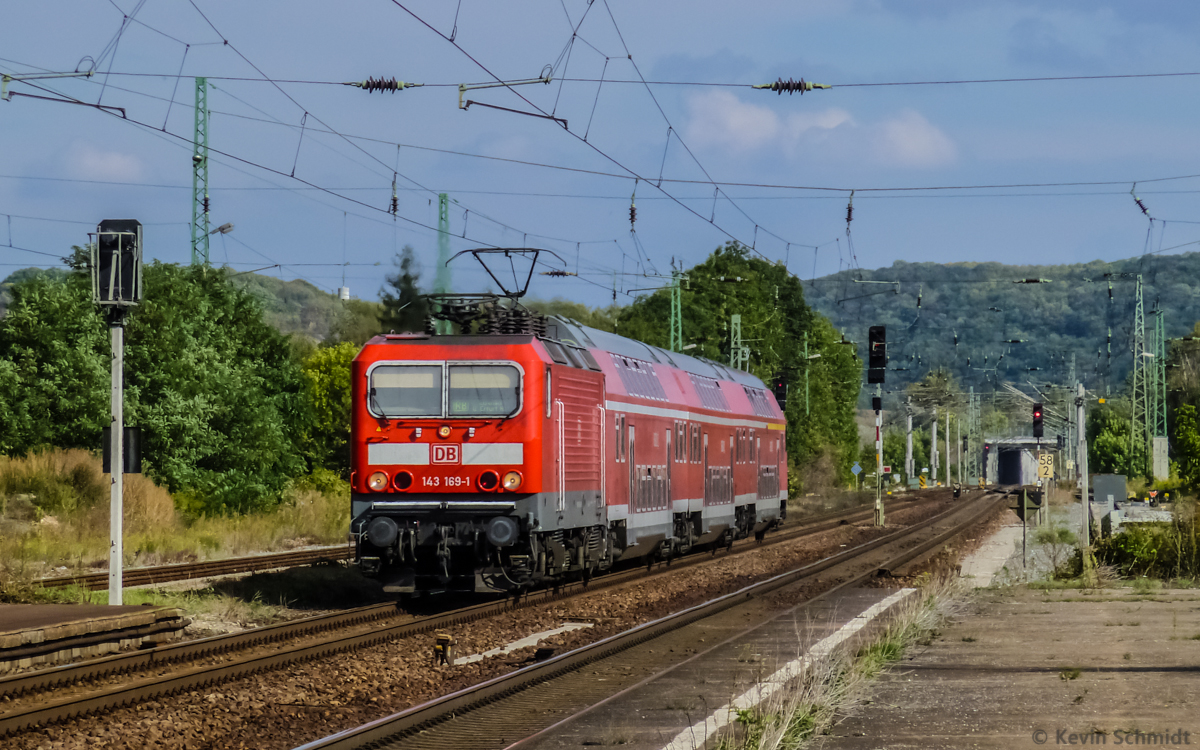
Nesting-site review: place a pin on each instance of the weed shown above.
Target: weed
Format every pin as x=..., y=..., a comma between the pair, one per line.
x=1127, y=656
x=1071, y=673
x=968, y=639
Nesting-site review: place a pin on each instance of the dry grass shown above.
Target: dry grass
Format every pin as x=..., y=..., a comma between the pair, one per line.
x=54, y=519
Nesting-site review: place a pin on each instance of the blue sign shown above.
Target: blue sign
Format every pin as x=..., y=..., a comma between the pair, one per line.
x=856, y=469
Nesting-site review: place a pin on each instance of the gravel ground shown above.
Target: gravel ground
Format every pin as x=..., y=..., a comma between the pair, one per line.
x=282, y=709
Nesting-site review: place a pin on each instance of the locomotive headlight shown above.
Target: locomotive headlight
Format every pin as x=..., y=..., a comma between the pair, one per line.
x=444, y=431
x=377, y=481
x=512, y=480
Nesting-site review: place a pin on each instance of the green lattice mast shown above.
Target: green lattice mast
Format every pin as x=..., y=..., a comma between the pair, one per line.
x=676, y=312
x=200, y=177
x=441, y=280
x=1140, y=417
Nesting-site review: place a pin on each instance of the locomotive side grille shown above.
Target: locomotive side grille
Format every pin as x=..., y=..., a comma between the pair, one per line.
x=581, y=396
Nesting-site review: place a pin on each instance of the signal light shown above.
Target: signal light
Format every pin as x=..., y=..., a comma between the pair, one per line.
x=876, y=353
x=1038, y=427
x=779, y=386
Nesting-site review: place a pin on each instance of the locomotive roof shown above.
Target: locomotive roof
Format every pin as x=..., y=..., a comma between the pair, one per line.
x=570, y=331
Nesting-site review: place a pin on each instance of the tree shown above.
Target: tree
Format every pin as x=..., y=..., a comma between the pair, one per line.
x=328, y=375
x=404, y=307
x=54, y=366
x=223, y=407
x=1187, y=446
x=1108, y=439
x=214, y=387
x=822, y=439
x=357, y=322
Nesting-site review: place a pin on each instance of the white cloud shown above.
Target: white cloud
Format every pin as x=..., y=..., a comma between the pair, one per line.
x=910, y=140
x=719, y=120
x=86, y=162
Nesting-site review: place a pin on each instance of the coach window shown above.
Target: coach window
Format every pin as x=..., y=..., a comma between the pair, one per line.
x=406, y=391
x=484, y=391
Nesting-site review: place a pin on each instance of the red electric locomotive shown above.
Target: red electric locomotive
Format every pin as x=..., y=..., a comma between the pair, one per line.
x=539, y=449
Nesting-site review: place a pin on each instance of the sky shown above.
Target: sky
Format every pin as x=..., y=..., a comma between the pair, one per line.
x=303, y=166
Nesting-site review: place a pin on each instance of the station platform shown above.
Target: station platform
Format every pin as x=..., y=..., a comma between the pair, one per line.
x=33, y=634
x=694, y=703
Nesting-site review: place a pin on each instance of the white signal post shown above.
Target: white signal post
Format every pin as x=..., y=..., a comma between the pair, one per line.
x=879, y=520
x=116, y=465
x=116, y=271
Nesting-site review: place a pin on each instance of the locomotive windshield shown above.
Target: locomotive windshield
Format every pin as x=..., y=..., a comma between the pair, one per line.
x=471, y=390
x=483, y=390
x=407, y=391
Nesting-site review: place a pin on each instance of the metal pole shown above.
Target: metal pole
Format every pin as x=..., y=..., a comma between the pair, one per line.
x=807, y=367
x=878, y=460
x=116, y=328
x=1081, y=428
x=933, y=451
x=908, y=456
x=947, y=447
x=958, y=447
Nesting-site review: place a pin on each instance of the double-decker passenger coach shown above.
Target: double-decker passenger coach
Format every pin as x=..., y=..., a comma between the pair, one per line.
x=538, y=449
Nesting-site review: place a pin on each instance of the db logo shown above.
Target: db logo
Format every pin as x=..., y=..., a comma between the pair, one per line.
x=446, y=454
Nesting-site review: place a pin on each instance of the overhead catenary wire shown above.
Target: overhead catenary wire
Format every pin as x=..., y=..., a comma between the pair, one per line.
x=322, y=189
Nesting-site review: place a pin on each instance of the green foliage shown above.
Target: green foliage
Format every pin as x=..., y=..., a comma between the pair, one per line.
x=822, y=441
x=1108, y=439
x=214, y=387
x=1071, y=314
x=1157, y=550
x=356, y=322
x=404, y=308
x=54, y=366
x=221, y=403
x=1187, y=446
x=328, y=373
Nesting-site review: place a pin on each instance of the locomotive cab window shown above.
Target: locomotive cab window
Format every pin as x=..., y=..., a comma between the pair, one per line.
x=407, y=391
x=483, y=391
x=444, y=390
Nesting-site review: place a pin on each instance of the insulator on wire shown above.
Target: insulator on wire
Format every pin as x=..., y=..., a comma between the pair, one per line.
x=558, y=272
x=792, y=86
x=372, y=85
x=633, y=206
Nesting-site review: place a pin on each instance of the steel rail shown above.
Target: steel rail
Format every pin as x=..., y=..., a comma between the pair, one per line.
x=171, y=654
x=203, y=569
x=385, y=731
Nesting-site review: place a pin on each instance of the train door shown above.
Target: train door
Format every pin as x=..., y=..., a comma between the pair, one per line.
x=732, y=483
x=708, y=488
x=670, y=459
x=631, y=457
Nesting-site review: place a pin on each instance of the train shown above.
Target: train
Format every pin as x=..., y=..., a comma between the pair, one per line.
x=531, y=449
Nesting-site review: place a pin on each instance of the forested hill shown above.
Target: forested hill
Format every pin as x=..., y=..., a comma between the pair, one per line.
x=979, y=303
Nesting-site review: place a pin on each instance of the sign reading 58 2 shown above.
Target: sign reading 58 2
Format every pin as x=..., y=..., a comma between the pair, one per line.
x=1045, y=465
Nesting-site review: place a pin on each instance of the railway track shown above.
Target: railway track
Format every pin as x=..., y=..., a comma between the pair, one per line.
x=509, y=708
x=171, y=668
x=204, y=569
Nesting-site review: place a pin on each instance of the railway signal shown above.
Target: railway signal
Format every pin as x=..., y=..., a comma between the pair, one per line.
x=876, y=353
x=116, y=270
x=779, y=386
x=1038, y=426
